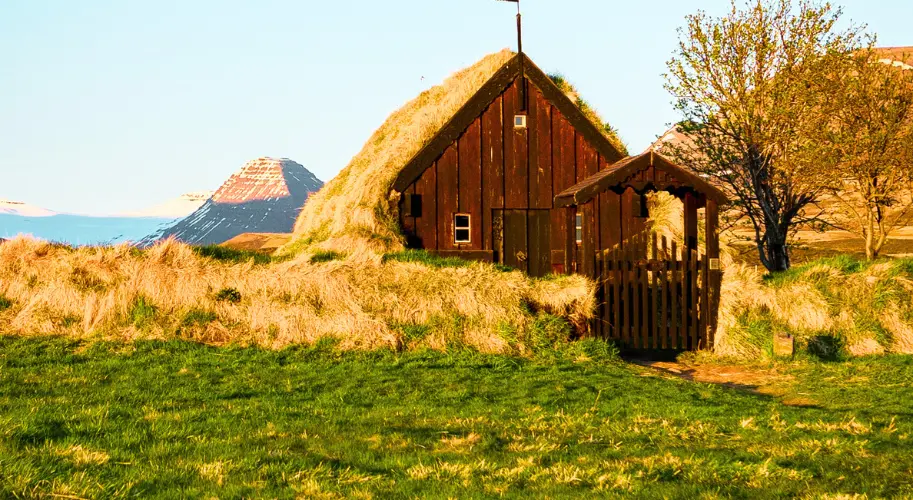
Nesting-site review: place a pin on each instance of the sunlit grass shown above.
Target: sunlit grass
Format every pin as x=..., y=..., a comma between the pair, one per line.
x=178, y=419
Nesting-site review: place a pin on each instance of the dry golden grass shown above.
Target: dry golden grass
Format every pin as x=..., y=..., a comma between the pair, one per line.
x=169, y=291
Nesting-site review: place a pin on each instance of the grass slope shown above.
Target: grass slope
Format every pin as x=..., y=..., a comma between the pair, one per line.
x=179, y=419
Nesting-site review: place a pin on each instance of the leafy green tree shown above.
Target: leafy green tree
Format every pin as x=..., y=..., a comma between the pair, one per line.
x=866, y=139
x=744, y=84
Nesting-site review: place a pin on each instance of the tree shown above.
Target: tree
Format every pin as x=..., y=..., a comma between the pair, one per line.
x=867, y=142
x=744, y=85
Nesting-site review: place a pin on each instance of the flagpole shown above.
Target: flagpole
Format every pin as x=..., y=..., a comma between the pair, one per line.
x=523, y=106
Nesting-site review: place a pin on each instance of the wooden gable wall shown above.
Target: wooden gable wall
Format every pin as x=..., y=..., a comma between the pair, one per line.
x=494, y=169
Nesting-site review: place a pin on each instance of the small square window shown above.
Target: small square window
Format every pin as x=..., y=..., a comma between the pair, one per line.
x=578, y=228
x=461, y=228
x=520, y=121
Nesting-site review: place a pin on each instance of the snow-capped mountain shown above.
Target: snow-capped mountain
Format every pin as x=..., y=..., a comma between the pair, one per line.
x=175, y=208
x=265, y=196
x=8, y=207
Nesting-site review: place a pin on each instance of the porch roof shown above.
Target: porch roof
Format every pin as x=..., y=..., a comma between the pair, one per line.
x=636, y=172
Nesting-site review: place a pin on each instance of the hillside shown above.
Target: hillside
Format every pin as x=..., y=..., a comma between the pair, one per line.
x=8, y=207
x=264, y=196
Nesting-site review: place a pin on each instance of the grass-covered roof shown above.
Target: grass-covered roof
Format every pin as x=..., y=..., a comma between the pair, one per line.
x=358, y=206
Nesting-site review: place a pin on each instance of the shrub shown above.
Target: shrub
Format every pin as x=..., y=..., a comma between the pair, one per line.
x=229, y=295
x=226, y=254
x=5, y=303
x=826, y=347
x=325, y=256
x=411, y=332
x=198, y=317
x=547, y=331
x=143, y=312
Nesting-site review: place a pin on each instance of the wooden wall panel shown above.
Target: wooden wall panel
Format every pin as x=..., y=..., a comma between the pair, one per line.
x=470, y=182
x=492, y=168
x=426, y=225
x=447, y=192
x=590, y=160
x=630, y=225
x=540, y=176
x=609, y=220
x=579, y=159
x=532, y=147
x=587, y=161
x=539, y=254
x=627, y=214
x=516, y=159
x=560, y=181
x=568, y=174
x=587, y=255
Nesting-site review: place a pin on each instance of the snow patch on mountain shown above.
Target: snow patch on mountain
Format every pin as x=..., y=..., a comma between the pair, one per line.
x=9, y=207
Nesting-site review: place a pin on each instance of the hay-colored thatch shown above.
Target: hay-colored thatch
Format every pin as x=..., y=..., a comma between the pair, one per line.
x=357, y=209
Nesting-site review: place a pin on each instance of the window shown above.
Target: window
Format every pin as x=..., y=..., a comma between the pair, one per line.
x=520, y=121
x=414, y=205
x=461, y=228
x=578, y=228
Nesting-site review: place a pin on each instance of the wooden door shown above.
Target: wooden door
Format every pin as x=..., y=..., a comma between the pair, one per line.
x=515, y=234
x=539, y=242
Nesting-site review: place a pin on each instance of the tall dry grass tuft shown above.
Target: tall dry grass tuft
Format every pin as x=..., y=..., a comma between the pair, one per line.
x=168, y=291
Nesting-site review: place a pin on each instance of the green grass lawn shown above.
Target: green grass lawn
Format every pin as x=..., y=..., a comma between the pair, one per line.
x=183, y=420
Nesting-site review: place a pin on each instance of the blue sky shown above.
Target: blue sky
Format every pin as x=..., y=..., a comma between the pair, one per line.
x=110, y=105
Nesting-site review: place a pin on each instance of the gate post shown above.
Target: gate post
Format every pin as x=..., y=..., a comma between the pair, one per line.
x=715, y=274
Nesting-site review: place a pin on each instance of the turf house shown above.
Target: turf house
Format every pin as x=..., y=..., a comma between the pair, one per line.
x=500, y=164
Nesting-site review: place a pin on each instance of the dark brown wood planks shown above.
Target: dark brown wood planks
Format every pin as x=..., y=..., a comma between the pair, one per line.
x=492, y=168
x=447, y=193
x=540, y=178
x=470, y=183
x=516, y=158
x=539, y=256
x=426, y=225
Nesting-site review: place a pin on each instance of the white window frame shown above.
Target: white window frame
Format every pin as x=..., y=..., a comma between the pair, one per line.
x=522, y=119
x=468, y=229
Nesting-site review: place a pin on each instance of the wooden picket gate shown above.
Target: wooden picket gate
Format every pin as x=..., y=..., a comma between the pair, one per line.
x=657, y=295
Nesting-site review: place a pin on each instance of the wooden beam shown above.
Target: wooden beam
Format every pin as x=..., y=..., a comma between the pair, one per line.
x=714, y=273
x=690, y=223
